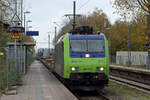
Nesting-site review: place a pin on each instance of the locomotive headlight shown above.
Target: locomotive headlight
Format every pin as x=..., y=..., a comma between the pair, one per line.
x=74, y=68
x=100, y=68
x=87, y=55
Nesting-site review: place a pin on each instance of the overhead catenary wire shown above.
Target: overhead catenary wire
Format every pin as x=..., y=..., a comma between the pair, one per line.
x=42, y=43
x=83, y=4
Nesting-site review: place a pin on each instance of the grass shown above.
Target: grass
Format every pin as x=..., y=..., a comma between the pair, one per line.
x=11, y=77
x=126, y=93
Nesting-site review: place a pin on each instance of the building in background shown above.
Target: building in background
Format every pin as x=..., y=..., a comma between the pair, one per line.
x=137, y=58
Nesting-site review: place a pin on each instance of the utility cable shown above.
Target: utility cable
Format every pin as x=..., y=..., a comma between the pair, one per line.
x=83, y=4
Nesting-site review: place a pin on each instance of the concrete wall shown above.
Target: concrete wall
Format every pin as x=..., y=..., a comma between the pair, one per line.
x=137, y=58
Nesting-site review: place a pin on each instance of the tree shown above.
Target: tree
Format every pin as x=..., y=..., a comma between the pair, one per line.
x=7, y=10
x=136, y=7
x=119, y=35
x=96, y=19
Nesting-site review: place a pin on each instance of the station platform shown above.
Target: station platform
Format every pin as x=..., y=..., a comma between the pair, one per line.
x=40, y=84
x=130, y=69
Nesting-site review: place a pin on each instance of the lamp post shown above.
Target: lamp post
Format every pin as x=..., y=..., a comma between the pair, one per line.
x=27, y=12
x=25, y=51
x=55, y=34
x=106, y=27
x=21, y=12
x=109, y=44
x=49, y=39
x=129, y=46
x=57, y=24
x=56, y=30
x=27, y=27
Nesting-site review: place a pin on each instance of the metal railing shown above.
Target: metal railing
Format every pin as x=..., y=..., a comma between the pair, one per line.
x=10, y=75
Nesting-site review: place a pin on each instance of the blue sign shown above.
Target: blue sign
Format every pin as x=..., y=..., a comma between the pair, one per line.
x=16, y=29
x=32, y=33
x=129, y=45
x=147, y=44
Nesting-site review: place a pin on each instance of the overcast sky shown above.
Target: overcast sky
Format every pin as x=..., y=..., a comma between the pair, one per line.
x=45, y=12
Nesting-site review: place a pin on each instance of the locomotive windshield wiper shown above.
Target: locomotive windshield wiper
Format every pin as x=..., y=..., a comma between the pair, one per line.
x=87, y=50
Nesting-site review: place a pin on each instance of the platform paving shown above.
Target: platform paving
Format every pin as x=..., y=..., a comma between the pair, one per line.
x=39, y=84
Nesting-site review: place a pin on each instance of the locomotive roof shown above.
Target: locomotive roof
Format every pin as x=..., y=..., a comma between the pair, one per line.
x=98, y=36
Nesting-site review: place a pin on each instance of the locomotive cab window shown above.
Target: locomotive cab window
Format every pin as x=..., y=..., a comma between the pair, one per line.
x=78, y=45
x=95, y=45
x=87, y=45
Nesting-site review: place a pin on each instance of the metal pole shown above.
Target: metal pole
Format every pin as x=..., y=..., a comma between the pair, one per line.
x=0, y=78
x=21, y=56
x=26, y=59
x=21, y=12
x=129, y=46
x=148, y=31
x=16, y=7
x=7, y=68
x=24, y=67
x=15, y=47
x=55, y=34
x=24, y=19
x=20, y=63
x=27, y=29
x=1, y=19
x=74, y=15
x=48, y=43
x=26, y=51
x=109, y=47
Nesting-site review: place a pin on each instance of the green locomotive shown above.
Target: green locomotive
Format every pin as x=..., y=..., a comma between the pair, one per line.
x=82, y=60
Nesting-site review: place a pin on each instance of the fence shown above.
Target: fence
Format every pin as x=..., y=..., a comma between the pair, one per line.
x=10, y=75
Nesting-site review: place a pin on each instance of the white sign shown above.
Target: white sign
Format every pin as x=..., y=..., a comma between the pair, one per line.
x=15, y=18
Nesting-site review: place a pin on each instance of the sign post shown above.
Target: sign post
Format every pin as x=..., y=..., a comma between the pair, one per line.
x=16, y=35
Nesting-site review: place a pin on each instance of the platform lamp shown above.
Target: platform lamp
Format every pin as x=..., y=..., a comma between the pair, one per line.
x=56, y=30
x=27, y=27
x=27, y=12
x=25, y=51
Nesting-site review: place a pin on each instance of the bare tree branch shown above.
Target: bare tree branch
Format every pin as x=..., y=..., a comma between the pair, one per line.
x=142, y=6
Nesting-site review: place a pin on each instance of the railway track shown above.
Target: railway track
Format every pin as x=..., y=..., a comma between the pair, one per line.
x=138, y=79
x=104, y=95
x=90, y=95
x=131, y=84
